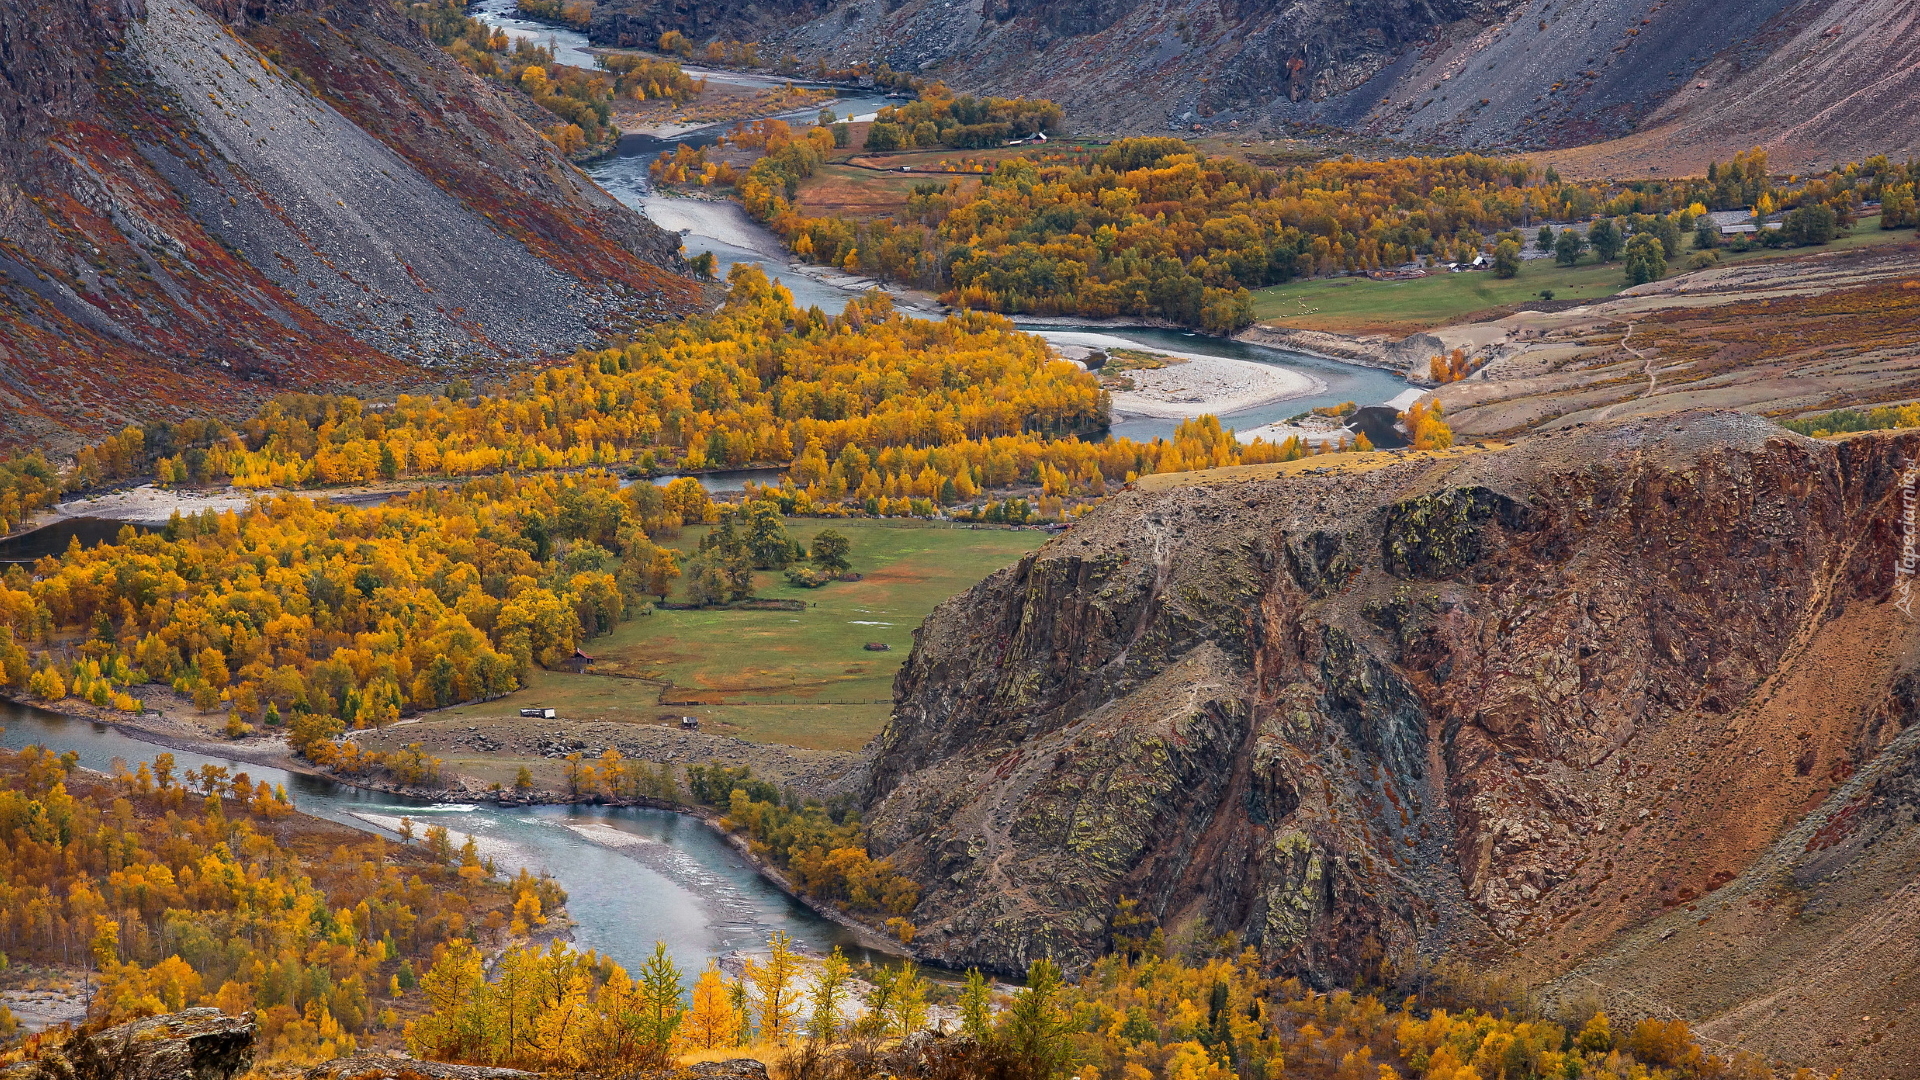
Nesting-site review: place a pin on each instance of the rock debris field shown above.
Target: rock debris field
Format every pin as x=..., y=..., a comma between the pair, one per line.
x=379, y=249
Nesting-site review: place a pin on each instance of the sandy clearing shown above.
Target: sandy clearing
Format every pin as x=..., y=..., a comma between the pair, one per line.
x=1281, y=432
x=1210, y=384
x=669, y=130
x=507, y=856
x=38, y=1010
x=149, y=505
x=1203, y=385
x=715, y=220
x=608, y=836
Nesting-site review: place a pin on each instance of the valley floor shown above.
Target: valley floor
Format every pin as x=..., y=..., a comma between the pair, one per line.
x=791, y=694
x=1781, y=335
x=1361, y=306
x=802, y=679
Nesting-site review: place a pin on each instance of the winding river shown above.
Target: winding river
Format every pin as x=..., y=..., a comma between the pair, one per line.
x=632, y=876
x=725, y=230
x=636, y=876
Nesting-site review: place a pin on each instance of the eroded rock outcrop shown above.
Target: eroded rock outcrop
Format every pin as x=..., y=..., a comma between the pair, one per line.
x=193, y=1044
x=1502, y=706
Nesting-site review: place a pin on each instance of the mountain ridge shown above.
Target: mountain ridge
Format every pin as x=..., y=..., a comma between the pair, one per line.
x=1686, y=81
x=196, y=224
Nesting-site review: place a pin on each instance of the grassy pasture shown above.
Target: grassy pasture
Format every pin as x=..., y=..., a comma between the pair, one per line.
x=783, y=676
x=1355, y=305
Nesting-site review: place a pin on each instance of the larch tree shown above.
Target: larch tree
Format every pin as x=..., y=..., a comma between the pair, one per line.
x=1035, y=1027
x=711, y=1023
x=660, y=1009
x=827, y=1001
x=976, y=1006
x=774, y=990
x=907, y=1005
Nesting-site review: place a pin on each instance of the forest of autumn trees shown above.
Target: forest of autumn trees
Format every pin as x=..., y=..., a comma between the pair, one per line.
x=966, y=122
x=1867, y=419
x=1206, y=1010
x=324, y=617
x=559, y=1009
x=204, y=888
x=1198, y=1010
x=870, y=408
x=575, y=13
x=1150, y=227
x=820, y=845
x=27, y=484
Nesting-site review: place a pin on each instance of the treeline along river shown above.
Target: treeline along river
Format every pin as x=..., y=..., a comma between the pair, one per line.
x=633, y=876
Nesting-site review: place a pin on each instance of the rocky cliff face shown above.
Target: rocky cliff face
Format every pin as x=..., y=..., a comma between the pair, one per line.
x=1502, y=705
x=214, y=203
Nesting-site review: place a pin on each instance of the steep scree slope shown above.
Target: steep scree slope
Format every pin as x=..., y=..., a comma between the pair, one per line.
x=1809, y=955
x=1550, y=72
x=1826, y=82
x=190, y=222
x=1503, y=707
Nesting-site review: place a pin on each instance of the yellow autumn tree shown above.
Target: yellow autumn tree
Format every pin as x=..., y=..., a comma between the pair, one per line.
x=774, y=989
x=711, y=1024
x=1426, y=427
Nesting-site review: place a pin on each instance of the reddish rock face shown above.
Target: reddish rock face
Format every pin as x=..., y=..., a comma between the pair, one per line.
x=196, y=214
x=1500, y=707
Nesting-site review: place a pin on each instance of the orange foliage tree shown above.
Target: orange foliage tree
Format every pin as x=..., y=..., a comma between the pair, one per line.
x=207, y=889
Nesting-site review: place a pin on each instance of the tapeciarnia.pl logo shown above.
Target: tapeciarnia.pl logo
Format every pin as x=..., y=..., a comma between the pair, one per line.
x=1907, y=564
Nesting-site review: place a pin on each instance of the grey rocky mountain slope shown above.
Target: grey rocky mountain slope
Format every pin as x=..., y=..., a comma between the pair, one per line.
x=210, y=203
